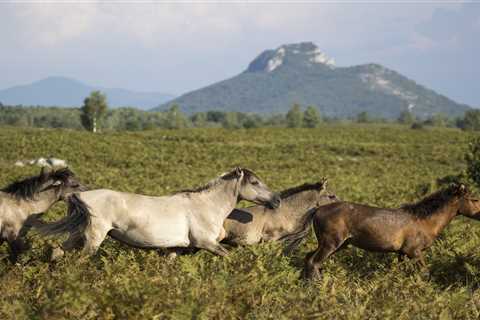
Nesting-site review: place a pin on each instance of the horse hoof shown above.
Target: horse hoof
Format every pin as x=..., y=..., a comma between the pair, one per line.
x=172, y=256
x=56, y=254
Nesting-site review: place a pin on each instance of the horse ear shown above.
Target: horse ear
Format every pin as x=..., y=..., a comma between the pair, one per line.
x=238, y=171
x=324, y=182
x=460, y=189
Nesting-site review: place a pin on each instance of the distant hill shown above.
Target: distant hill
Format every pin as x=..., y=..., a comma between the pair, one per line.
x=301, y=73
x=66, y=92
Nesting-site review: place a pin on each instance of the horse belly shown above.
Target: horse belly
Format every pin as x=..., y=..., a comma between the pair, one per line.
x=387, y=240
x=161, y=234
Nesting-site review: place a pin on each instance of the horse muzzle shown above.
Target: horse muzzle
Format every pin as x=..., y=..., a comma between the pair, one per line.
x=275, y=202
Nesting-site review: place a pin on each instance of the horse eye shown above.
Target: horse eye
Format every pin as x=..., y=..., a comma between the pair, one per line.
x=255, y=182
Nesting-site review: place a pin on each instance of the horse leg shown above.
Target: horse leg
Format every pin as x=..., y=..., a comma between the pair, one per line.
x=73, y=242
x=417, y=256
x=314, y=259
x=173, y=253
x=222, y=235
x=16, y=246
x=420, y=258
x=213, y=247
x=94, y=236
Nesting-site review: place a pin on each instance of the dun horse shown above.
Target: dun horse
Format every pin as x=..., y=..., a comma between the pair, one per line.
x=191, y=218
x=24, y=200
x=407, y=230
x=258, y=223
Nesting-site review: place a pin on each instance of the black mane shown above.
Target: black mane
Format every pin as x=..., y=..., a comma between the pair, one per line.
x=306, y=186
x=434, y=202
x=28, y=188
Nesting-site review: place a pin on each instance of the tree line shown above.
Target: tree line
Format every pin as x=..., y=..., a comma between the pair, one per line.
x=95, y=115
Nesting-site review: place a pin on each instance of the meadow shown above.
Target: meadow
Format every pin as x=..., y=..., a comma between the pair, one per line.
x=384, y=165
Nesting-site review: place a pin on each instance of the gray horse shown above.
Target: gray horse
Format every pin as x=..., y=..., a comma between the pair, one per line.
x=258, y=223
x=23, y=201
x=190, y=218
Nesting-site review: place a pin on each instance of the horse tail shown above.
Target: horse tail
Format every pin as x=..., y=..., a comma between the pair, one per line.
x=78, y=218
x=293, y=240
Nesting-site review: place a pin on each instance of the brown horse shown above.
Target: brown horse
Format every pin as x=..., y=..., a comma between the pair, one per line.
x=407, y=230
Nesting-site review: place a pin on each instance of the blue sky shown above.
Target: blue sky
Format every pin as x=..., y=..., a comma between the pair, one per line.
x=177, y=47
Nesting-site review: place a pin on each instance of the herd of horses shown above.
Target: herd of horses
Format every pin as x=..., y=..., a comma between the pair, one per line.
x=206, y=217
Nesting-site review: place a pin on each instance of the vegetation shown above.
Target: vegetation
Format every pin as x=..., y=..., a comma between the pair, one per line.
x=131, y=119
x=337, y=92
x=363, y=117
x=473, y=162
x=93, y=111
x=294, y=117
x=471, y=121
x=406, y=117
x=378, y=164
x=311, y=117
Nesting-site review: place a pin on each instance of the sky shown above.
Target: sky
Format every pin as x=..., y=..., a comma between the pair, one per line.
x=174, y=47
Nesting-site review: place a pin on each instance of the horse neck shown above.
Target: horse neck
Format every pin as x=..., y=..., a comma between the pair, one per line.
x=42, y=202
x=298, y=204
x=438, y=220
x=222, y=196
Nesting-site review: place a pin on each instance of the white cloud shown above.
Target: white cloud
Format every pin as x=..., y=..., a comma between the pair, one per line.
x=48, y=24
x=179, y=47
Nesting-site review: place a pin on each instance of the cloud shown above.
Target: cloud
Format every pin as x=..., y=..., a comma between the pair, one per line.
x=453, y=28
x=180, y=47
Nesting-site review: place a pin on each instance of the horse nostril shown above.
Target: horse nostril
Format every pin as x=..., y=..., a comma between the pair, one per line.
x=276, y=201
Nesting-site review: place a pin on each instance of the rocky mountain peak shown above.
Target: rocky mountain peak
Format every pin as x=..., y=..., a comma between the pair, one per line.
x=304, y=53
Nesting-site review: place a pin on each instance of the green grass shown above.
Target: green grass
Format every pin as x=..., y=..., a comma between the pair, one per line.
x=377, y=164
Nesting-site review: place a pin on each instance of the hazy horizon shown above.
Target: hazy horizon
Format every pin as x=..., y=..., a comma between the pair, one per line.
x=176, y=48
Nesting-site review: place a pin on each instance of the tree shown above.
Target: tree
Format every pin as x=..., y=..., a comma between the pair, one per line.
x=231, y=120
x=215, y=116
x=93, y=110
x=472, y=158
x=471, y=120
x=294, y=117
x=363, y=117
x=437, y=120
x=311, y=117
x=199, y=119
x=175, y=118
x=252, y=121
x=406, y=117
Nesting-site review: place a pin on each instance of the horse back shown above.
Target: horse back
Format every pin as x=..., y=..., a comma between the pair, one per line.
x=347, y=213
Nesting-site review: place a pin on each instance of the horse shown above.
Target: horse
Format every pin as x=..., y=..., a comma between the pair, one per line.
x=407, y=230
x=23, y=201
x=189, y=218
x=256, y=224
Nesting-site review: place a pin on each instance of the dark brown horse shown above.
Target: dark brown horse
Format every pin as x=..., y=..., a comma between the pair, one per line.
x=407, y=230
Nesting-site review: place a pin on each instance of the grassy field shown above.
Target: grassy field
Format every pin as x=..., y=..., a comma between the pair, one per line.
x=377, y=164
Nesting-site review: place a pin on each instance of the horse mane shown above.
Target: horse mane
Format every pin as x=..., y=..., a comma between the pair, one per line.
x=28, y=188
x=304, y=187
x=435, y=201
x=223, y=177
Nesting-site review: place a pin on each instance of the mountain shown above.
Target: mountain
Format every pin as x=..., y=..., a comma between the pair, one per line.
x=301, y=73
x=66, y=92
